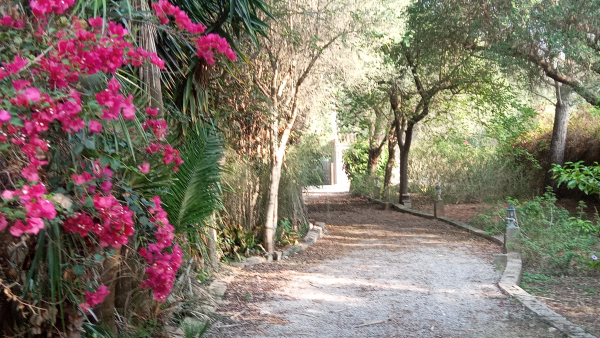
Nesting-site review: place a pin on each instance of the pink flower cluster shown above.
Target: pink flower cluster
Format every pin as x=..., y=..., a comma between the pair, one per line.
x=43, y=7
x=115, y=103
x=94, y=298
x=36, y=206
x=206, y=44
x=162, y=8
x=8, y=21
x=117, y=221
x=170, y=154
x=12, y=68
x=160, y=274
x=79, y=223
x=116, y=224
x=90, y=52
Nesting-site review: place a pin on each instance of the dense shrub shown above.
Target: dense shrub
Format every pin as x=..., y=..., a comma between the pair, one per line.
x=468, y=171
x=582, y=145
x=551, y=240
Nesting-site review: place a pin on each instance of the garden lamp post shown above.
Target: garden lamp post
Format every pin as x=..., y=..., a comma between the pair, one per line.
x=438, y=203
x=376, y=191
x=512, y=229
x=511, y=217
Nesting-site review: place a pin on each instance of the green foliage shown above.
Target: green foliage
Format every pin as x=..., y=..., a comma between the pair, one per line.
x=195, y=329
x=235, y=242
x=551, y=241
x=529, y=278
x=467, y=172
x=356, y=160
x=537, y=278
x=362, y=184
x=303, y=160
x=287, y=234
x=577, y=175
x=196, y=193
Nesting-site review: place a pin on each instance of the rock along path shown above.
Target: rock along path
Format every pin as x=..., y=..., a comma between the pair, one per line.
x=377, y=274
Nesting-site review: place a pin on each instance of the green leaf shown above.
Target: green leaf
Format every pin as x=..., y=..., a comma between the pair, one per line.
x=105, y=160
x=89, y=202
x=15, y=121
x=78, y=270
x=89, y=144
x=78, y=148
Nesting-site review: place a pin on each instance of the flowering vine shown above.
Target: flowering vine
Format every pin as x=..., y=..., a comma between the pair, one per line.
x=43, y=106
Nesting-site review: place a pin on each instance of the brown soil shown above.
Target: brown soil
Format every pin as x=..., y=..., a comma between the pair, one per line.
x=576, y=298
x=460, y=212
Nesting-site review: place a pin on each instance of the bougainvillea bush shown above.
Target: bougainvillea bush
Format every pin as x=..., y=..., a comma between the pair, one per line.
x=73, y=140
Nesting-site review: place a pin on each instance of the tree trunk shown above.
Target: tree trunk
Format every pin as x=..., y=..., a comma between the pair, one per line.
x=404, y=160
x=271, y=220
x=559, y=131
x=149, y=73
x=212, y=243
x=373, y=162
x=389, y=166
x=109, y=277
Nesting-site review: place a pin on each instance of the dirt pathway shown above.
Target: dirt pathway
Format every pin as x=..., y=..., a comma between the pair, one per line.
x=377, y=274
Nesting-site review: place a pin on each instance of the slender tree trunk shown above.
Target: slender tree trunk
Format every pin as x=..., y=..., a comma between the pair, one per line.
x=272, y=206
x=109, y=277
x=373, y=162
x=149, y=73
x=404, y=150
x=212, y=243
x=559, y=131
x=389, y=166
x=277, y=151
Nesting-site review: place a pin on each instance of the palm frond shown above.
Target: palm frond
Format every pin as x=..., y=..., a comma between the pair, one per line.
x=196, y=192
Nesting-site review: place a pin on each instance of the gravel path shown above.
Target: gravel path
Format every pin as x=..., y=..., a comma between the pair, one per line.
x=378, y=274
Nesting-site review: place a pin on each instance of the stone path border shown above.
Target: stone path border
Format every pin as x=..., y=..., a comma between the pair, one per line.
x=511, y=277
x=309, y=239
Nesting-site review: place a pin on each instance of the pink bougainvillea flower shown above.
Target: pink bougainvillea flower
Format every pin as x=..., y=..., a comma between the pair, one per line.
x=4, y=116
x=21, y=84
x=32, y=226
x=31, y=173
x=7, y=194
x=145, y=168
x=152, y=111
x=82, y=179
x=80, y=223
x=3, y=222
x=7, y=20
x=105, y=186
x=128, y=108
x=96, y=22
x=15, y=66
x=94, y=298
x=32, y=94
x=95, y=126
